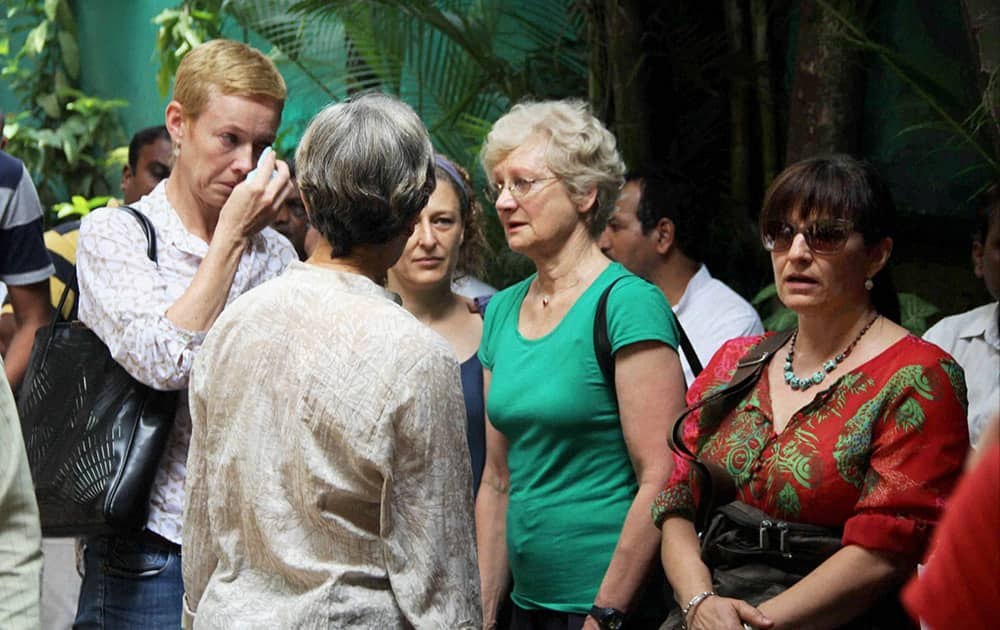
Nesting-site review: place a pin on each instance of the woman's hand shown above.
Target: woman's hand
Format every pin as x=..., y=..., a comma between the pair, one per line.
x=254, y=204
x=723, y=613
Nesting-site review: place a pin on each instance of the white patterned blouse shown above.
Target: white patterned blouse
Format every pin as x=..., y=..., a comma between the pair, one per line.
x=124, y=298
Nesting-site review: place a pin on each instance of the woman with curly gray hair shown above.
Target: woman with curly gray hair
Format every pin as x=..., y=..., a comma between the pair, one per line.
x=329, y=482
x=573, y=456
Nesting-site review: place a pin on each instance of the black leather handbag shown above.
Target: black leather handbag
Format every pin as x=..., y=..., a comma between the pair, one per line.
x=94, y=435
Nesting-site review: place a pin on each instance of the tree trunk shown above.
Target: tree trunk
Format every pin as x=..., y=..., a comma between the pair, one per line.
x=824, y=112
x=625, y=73
x=982, y=23
x=739, y=128
x=765, y=93
x=597, y=64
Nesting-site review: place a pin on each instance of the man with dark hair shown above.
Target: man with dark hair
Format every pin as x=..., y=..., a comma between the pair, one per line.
x=292, y=221
x=149, y=160
x=657, y=231
x=973, y=337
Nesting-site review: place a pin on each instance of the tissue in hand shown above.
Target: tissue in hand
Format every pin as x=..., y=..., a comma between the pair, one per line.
x=260, y=161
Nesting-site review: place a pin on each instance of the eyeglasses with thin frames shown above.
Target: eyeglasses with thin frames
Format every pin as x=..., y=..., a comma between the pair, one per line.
x=823, y=236
x=519, y=188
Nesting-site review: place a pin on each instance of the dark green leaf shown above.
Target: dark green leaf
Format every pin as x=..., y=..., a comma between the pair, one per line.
x=70, y=54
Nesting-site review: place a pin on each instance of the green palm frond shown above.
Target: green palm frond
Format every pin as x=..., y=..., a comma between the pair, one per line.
x=459, y=63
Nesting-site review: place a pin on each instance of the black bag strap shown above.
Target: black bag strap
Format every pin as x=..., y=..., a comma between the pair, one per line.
x=688, y=348
x=602, y=343
x=148, y=230
x=717, y=487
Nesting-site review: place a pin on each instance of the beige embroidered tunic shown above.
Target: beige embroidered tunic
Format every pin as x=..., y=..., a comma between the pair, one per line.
x=329, y=483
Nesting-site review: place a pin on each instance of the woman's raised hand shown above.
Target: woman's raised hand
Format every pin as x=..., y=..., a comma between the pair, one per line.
x=723, y=613
x=255, y=202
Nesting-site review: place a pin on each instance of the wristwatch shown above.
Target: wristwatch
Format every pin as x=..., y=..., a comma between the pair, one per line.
x=607, y=618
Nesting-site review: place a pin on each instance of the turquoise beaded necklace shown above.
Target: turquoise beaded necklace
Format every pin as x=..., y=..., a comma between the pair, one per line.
x=802, y=384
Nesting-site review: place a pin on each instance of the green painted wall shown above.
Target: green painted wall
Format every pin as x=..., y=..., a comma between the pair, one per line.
x=117, y=40
x=117, y=44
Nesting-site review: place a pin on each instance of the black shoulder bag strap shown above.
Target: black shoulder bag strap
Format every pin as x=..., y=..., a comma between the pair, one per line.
x=717, y=487
x=148, y=230
x=602, y=343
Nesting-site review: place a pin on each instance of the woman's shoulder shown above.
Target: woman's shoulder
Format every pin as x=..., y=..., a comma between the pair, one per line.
x=914, y=359
x=628, y=289
x=910, y=350
x=720, y=369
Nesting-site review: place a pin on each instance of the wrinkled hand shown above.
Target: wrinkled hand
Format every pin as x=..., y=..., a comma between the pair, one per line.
x=723, y=613
x=254, y=204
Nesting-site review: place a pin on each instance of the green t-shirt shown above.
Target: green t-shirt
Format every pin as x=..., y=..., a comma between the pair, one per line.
x=571, y=479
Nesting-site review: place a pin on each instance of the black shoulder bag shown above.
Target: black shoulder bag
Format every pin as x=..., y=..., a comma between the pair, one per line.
x=94, y=435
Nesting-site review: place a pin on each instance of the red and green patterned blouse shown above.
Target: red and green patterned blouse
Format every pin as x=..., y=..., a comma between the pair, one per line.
x=877, y=453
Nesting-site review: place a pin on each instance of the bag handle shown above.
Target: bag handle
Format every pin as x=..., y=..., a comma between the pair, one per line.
x=717, y=487
x=148, y=231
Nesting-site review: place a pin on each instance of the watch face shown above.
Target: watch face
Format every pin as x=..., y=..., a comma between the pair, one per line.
x=608, y=618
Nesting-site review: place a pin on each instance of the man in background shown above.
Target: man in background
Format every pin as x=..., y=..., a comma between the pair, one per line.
x=292, y=221
x=973, y=337
x=149, y=160
x=150, y=157
x=657, y=231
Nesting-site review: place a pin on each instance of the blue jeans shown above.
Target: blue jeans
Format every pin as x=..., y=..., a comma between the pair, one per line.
x=130, y=582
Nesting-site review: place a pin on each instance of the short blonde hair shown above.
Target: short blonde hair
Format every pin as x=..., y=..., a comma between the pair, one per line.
x=581, y=150
x=230, y=68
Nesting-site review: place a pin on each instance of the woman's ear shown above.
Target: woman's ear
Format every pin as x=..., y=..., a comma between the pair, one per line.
x=175, y=122
x=587, y=202
x=879, y=256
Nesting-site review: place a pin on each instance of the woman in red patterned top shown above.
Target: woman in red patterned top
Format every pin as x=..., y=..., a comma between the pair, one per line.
x=861, y=426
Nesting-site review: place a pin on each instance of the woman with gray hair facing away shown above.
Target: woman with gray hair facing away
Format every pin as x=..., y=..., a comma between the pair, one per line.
x=328, y=478
x=572, y=457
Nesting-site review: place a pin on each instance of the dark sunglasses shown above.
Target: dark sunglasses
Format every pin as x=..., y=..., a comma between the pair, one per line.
x=824, y=236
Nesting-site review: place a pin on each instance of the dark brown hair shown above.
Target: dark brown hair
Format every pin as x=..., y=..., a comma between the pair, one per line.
x=839, y=186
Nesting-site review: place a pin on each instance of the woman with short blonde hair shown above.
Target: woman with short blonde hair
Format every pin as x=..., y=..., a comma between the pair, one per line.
x=210, y=218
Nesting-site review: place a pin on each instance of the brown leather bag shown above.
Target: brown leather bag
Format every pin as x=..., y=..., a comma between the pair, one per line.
x=715, y=485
